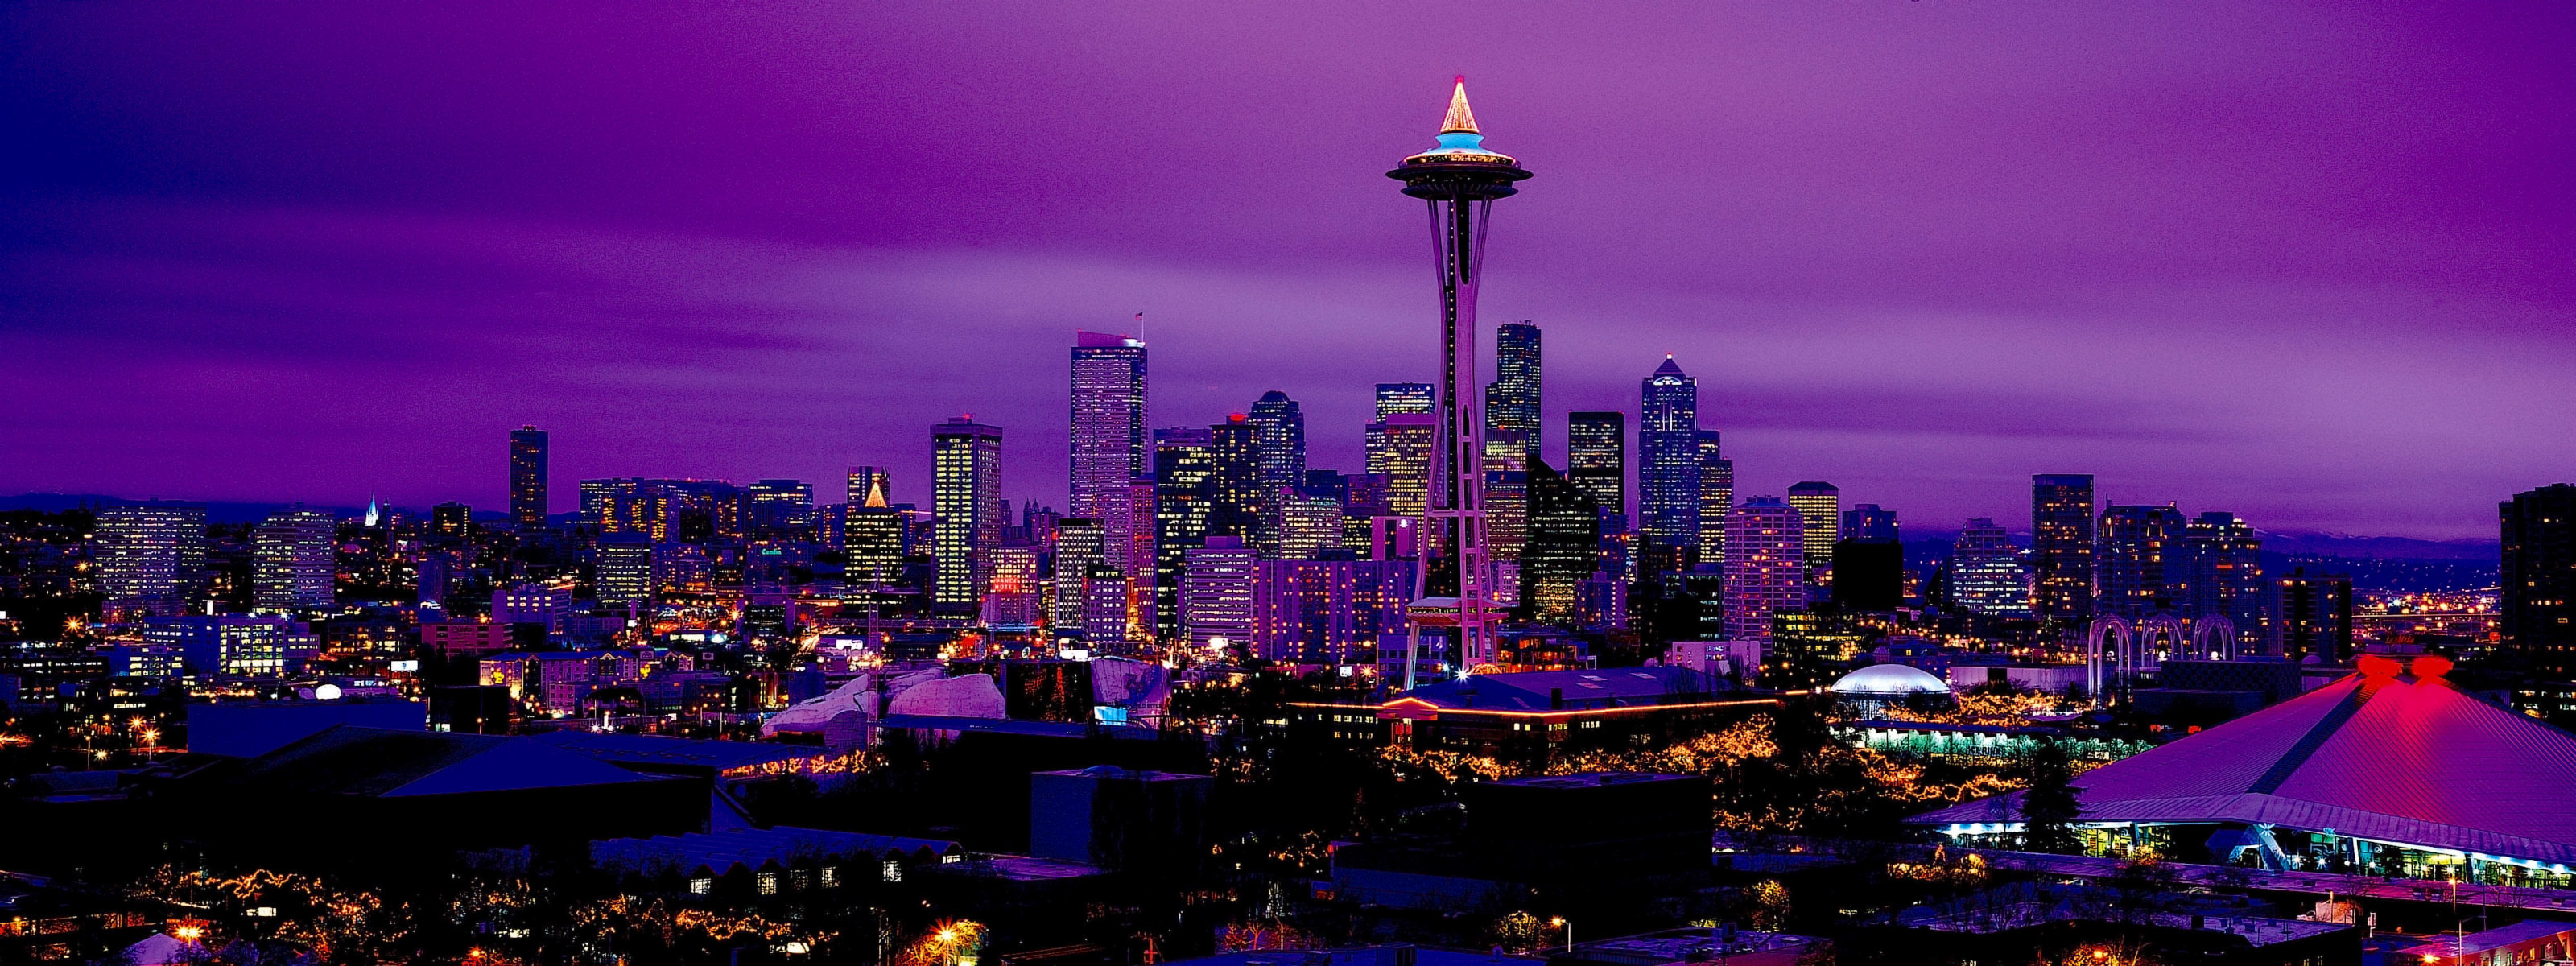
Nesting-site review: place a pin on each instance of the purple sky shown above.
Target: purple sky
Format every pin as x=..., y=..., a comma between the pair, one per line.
x=2312, y=263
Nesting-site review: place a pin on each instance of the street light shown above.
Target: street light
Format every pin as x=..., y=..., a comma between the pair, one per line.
x=1569, y=931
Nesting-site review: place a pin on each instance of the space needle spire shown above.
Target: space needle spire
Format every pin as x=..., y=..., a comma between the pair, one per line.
x=1459, y=179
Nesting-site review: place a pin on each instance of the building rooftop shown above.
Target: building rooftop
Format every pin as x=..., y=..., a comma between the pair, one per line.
x=2396, y=757
x=2486, y=940
x=381, y=763
x=648, y=751
x=721, y=852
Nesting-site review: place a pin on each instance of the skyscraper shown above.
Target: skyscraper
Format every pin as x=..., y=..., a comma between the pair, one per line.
x=871, y=542
x=1216, y=593
x=1716, y=498
x=1109, y=442
x=2539, y=581
x=293, y=561
x=778, y=507
x=2313, y=616
x=1868, y=521
x=1460, y=180
x=1766, y=568
x=528, y=479
x=2139, y=570
x=1668, y=461
x=1819, y=507
x=2061, y=545
x=1596, y=457
x=2226, y=579
x=857, y=483
x=1183, y=464
x=150, y=557
x=1235, y=500
x=1986, y=575
x=1563, y=548
x=966, y=498
x=1406, y=397
x=1400, y=447
x=1512, y=399
x=1282, y=434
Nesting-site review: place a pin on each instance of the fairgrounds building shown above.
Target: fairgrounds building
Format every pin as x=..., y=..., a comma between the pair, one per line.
x=2391, y=770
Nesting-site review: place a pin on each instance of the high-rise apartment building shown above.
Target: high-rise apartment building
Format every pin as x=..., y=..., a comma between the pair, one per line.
x=1986, y=576
x=2226, y=580
x=1328, y=611
x=1766, y=566
x=1399, y=447
x=2312, y=615
x=1110, y=447
x=1820, y=509
x=2539, y=581
x=1506, y=493
x=294, y=559
x=1512, y=399
x=150, y=556
x=2139, y=568
x=1406, y=397
x=528, y=479
x=1668, y=461
x=2061, y=546
x=966, y=500
x=1596, y=457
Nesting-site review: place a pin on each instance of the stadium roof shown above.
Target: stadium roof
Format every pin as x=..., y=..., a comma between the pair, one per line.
x=2401, y=758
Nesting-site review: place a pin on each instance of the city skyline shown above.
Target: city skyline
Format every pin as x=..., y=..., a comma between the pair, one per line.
x=2094, y=242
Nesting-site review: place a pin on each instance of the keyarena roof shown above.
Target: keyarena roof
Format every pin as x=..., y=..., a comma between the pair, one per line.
x=2391, y=754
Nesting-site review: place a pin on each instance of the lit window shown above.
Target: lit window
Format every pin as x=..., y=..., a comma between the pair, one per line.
x=767, y=882
x=894, y=872
x=701, y=886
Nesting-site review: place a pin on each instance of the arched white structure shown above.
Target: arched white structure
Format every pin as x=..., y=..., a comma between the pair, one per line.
x=2213, y=636
x=2123, y=658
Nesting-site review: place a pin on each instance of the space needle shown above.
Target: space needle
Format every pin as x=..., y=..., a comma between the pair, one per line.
x=1459, y=180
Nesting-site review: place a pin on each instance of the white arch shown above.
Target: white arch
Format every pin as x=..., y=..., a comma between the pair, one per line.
x=2212, y=634
x=2123, y=646
x=2167, y=627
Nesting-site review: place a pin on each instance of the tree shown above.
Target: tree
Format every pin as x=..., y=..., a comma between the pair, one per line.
x=2048, y=807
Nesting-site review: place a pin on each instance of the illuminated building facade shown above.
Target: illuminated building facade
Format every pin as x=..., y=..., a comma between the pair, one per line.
x=2312, y=615
x=1281, y=431
x=872, y=544
x=625, y=570
x=1512, y=399
x=1183, y=464
x=1766, y=566
x=966, y=501
x=528, y=479
x=776, y=509
x=1563, y=548
x=1986, y=574
x=1109, y=440
x=1399, y=448
x=2226, y=560
x=1820, y=511
x=855, y=484
x=150, y=556
x=1716, y=498
x=1668, y=460
x=1216, y=593
x=2538, y=600
x=1328, y=611
x=1596, y=458
x=294, y=561
x=234, y=644
x=2061, y=546
x=1405, y=397
x=2140, y=568
x=1237, y=506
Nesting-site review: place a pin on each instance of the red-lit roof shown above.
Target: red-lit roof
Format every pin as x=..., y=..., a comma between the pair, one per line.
x=2392, y=757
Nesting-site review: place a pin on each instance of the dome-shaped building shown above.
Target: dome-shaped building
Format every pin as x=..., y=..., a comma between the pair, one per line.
x=1870, y=690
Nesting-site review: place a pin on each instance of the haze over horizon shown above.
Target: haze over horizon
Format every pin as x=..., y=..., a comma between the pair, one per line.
x=2306, y=263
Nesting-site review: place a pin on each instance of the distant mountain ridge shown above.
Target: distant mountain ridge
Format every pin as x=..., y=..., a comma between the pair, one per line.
x=217, y=511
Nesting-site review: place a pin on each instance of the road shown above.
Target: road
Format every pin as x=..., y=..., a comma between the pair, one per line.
x=2318, y=883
